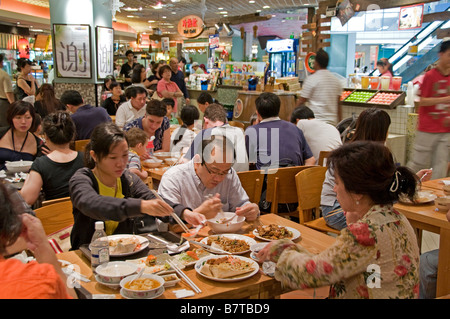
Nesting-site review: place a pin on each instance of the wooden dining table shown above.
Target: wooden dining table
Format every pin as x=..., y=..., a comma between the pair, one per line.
x=258, y=286
x=427, y=217
x=436, y=183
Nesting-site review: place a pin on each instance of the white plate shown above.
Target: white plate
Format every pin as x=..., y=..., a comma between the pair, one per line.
x=159, y=268
x=199, y=264
x=295, y=234
x=123, y=293
x=191, y=263
x=424, y=197
x=250, y=241
x=144, y=244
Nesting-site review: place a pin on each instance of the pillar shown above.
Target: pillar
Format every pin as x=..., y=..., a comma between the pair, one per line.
x=92, y=13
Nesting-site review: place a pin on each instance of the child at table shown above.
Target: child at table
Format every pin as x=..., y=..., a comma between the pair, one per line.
x=137, y=141
x=169, y=104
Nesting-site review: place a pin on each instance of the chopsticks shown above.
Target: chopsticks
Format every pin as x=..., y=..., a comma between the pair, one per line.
x=184, y=276
x=175, y=216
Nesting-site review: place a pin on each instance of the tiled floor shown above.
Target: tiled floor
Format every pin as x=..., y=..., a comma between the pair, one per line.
x=430, y=241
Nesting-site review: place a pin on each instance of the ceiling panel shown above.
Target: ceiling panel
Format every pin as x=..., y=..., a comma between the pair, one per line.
x=167, y=13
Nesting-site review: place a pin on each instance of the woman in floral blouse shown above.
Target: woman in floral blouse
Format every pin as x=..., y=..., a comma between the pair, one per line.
x=377, y=255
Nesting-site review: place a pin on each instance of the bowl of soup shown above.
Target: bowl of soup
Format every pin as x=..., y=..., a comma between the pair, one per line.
x=18, y=166
x=147, y=286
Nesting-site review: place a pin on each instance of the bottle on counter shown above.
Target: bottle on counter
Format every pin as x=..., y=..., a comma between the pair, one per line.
x=150, y=148
x=99, y=246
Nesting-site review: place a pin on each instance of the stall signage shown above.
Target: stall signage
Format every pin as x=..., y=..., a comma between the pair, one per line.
x=165, y=44
x=285, y=45
x=190, y=26
x=213, y=41
x=309, y=62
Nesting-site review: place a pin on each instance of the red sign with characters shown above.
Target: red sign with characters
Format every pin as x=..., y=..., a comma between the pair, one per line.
x=190, y=26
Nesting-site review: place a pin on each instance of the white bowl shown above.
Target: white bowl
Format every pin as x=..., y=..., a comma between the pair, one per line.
x=18, y=166
x=113, y=272
x=171, y=160
x=229, y=227
x=152, y=162
x=164, y=155
x=170, y=280
x=148, y=293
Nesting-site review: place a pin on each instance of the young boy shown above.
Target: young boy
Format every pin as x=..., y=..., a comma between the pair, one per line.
x=169, y=104
x=137, y=141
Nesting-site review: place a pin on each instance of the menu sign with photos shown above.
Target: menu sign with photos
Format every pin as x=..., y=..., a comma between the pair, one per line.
x=190, y=26
x=72, y=51
x=411, y=17
x=105, y=52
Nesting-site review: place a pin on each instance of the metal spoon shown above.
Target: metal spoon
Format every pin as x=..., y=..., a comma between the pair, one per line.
x=138, y=275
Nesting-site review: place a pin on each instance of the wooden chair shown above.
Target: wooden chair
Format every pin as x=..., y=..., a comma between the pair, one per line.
x=323, y=155
x=281, y=188
x=80, y=145
x=309, y=188
x=252, y=182
x=57, y=220
x=237, y=124
x=54, y=201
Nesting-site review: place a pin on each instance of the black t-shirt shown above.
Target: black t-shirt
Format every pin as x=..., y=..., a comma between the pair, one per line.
x=127, y=70
x=56, y=176
x=111, y=106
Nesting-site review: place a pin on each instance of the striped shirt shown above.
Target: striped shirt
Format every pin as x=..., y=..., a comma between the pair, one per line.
x=322, y=90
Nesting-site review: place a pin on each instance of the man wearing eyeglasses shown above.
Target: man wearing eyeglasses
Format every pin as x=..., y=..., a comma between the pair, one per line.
x=208, y=184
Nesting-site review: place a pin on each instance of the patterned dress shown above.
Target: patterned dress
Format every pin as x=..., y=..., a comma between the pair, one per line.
x=376, y=257
x=159, y=133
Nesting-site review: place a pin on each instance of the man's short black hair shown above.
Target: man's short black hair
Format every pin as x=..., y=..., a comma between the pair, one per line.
x=268, y=105
x=322, y=58
x=134, y=90
x=129, y=52
x=445, y=45
x=302, y=113
x=71, y=97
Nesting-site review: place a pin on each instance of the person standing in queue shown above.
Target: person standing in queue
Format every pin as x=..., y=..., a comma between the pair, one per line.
x=6, y=92
x=127, y=68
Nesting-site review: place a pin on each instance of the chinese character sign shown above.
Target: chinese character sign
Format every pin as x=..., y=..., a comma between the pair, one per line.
x=105, y=52
x=190, y=26
x=72, y=51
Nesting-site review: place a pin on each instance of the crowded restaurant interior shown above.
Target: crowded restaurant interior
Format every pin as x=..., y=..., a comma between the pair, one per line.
x=206, y=149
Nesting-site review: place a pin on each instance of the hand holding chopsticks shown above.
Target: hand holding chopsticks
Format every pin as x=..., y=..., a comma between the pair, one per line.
x=184, y=276
x=175, y=216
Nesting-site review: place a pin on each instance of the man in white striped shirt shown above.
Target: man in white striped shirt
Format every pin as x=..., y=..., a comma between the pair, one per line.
x=322, y=91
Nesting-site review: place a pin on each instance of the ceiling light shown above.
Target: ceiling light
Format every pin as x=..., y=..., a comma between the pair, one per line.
x=130, y=9
x=130, y=16
x=223, y=12
x=266, y=7
x=258, y=10
x=36, y=30
x=164, y=17
x=220, y=8
x=151, y=21
x=173, y=12
x=158, y=6
x=251, y=1
x=218, y=26
x=228, y=29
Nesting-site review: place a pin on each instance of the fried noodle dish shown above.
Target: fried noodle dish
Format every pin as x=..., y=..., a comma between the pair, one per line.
x=228, y=244
x=273, y=232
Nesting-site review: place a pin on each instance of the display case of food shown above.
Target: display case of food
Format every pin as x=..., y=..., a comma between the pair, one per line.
x=373, y=98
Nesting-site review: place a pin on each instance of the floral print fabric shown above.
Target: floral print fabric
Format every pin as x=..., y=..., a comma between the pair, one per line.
x=376, y=257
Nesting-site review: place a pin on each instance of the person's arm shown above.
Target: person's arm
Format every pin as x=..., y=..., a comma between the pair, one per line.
x=25, y=87
x=11, y=98
x=165, y=145
x=34, y=235
x=32, y=187
x=301, y=100
x=310, y=161
x=141, y=173
x=339, y=109
x=430, y=101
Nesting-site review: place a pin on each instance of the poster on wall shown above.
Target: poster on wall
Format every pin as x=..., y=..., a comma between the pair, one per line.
x=105, y=52
x=165, y=45
x=411, y=17
x=72, y=51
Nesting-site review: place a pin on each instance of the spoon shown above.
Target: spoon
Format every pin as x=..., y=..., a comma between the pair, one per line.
x=226, y=220
x=138, y=275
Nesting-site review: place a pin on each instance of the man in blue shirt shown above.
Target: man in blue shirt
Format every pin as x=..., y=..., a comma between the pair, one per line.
x=178, y=78
x=85, y=116
x=273, y=142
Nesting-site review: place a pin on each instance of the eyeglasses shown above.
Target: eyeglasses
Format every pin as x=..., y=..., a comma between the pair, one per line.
x=221, y=174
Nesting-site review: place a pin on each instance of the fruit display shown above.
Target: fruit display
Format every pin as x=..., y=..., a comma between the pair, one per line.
x=345, y=93
x=359, y=96
x=384, y=98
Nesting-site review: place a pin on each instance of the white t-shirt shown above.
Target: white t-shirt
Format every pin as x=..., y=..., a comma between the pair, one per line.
x=322, y=89
x=185, y=143
x=320, y=136
x=126, y=113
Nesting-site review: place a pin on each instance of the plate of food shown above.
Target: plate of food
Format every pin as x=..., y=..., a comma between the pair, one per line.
x=232, y=243
x=421, y=197
x=275, y=232
x=190, y=257
x=157, y=264
x=125, y=245
x=226, y=268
